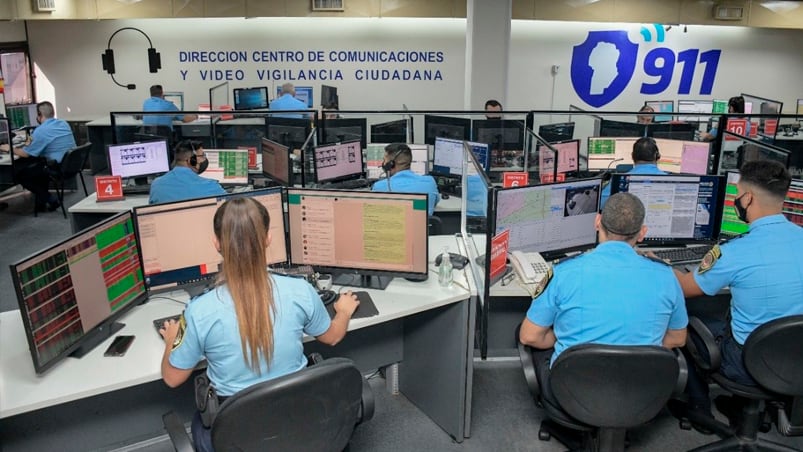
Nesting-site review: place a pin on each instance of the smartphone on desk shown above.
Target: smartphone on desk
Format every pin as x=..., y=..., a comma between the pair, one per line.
x=119, y=346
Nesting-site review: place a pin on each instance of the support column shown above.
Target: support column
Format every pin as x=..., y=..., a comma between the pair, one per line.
x=487, y=52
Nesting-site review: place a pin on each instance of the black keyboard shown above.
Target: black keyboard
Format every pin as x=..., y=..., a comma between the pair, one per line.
x=683, y=255
x=158, y=323
x=351, y=184
x=136, y=189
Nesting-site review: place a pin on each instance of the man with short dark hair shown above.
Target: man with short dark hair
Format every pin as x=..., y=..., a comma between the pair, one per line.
x=157, y=102
x=762, y=268
x=645, y=157
x=183, y=181
x=611, y=295
x=49, y=141
x=288, y=101
x=492, y=106
x=401, y=179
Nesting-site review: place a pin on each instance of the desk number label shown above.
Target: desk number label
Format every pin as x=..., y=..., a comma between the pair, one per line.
x=109, y=188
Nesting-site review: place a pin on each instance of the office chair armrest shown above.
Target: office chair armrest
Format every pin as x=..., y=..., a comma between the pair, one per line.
x=528, y=366
x=366, y=403
x=698, y=329
x=314, y=358
x=683, y=372
x=178, y=434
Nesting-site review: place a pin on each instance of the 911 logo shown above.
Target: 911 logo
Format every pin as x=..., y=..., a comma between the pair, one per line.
x=604, y=64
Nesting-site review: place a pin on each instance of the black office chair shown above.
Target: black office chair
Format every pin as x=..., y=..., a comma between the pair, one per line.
x=72, y=164
x=314, y=409
x=434, y=225
x=596, y=392
x=773, y=355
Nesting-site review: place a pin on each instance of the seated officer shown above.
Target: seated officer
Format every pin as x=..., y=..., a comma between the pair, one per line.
x=400, y=178
x=611, y=295
x=183, y=181
x=762, y=267
x=157, y=102
x=645, y=161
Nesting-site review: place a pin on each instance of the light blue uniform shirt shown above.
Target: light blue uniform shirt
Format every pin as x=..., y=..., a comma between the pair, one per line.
x=288, y=102
x=51, y=140
x=641, y=168
x=182, y=183
x=477, y=192
x=764, y=271
x=212, y=332
x=159, y=104
x=406, y=181
x=612, y=296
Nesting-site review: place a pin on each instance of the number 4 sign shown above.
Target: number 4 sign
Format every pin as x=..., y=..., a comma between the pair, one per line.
x=109, y=188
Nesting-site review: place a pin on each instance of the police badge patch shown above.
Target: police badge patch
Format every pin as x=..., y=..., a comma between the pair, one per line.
x=182, y=328
x=709, y=260
x=541, y=286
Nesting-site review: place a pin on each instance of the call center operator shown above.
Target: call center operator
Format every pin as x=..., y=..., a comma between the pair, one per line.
x=645, y=157
x=735, y=105
x=184, y=180
x=762, y=268
x=157, y=102
x=250, y=327
x=396, y=164
x=645, y=115
x=288, y=101
x=49, y=141
x=493, y=107
x=611, y=295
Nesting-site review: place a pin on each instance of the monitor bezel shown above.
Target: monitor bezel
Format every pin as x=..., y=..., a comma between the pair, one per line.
x=289, y=162
x=41, y=367
x=626, y=126
x=569, y=124
x=160, y=139
x=237, y=91
x=271, y=121
x=465, y=123
x=333, y=123
x=375, y=134
x=415, y=276
x=315, y=170
x=498, y=123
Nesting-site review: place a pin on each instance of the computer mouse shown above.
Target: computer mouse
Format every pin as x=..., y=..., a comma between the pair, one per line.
x=458, y=261
x=327, y=296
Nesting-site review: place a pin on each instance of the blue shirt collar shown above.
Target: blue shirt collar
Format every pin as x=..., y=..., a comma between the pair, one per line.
x=643, y=166
x=615, y=246
x=769, y=219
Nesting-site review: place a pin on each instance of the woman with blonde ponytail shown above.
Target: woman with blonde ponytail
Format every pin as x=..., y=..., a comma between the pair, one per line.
x=250, y=327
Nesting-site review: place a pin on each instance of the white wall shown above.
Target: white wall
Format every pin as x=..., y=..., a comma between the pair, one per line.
x=762, y=62
x=12, y=31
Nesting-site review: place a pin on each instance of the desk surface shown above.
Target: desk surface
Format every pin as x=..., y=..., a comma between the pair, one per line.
x=91, y=205
x=5, y=158
x=449, y=205
x=21, y=390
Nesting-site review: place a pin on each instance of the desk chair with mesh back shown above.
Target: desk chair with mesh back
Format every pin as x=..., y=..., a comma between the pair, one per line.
x=596, y=392
x=72, y=164
x=314, y=409
x=773, y=355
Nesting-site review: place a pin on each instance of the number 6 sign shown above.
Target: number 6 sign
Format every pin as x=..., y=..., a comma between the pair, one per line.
x=109, y=188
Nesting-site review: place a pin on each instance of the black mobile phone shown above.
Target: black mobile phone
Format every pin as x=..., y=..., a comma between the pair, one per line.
x=119, y=346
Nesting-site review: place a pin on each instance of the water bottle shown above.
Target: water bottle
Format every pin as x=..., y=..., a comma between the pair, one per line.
x=445, y=269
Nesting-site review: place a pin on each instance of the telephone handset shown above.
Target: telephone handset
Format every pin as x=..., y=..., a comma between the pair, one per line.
x=530, y=267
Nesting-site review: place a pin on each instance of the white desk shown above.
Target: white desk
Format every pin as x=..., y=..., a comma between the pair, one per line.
x=427, y=329
x=449, y=205
x=89, y=211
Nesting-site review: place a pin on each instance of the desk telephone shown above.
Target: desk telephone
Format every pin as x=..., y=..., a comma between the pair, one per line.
x=530, y=267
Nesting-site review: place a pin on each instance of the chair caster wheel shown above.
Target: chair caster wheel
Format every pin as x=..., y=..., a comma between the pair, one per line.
x=685, y=424
x=544, y=435
x=765, y=427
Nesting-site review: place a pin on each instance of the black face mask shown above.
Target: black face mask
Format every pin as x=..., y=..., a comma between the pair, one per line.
x=741, y=212
x=203, y=166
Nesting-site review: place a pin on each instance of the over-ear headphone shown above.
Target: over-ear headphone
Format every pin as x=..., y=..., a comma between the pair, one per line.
x=390, y=164
x=107, y=58
x=193, y=157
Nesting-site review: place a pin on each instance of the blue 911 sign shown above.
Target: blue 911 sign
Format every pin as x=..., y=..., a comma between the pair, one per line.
x=604, y=64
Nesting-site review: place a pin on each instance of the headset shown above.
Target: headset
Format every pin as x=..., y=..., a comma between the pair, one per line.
x=107, y=57
x=390, y=164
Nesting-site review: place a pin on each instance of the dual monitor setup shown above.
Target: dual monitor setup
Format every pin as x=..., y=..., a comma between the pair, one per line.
x=72, y=293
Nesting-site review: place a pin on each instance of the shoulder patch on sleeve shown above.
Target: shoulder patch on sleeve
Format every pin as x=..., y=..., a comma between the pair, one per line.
x=541, y=286
x=709, y=260
x=182, y=328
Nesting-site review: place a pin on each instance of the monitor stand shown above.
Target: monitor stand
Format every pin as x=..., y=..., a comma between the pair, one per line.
x=358, y=280
x=141, y=180
x=95, y=339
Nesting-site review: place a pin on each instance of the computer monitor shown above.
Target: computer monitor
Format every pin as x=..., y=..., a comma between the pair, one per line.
x=446, y=127
x=303, y=93
x=338, y=162
x=551, y=219
x=329, y=96
x=447, y=156
x=505, y=134
x=604, y=153
x=132, y=160
x=276, y=162
x=680, y=209
x=70, y=294
x=793, y=204
x=291, y=132
x=251, y=98
x=227, y=166
x=681, y=156
x=342, y=129
x=389, y=132
x=568, y=157
x=750, y=150
x=176, y=97
x=552, y=133
x=695, y=110
x=365, y=238
x=609, y=128
x=177, y=245
x=799, y=109
x=23, y=115
x=672, y=131
x=661, y=106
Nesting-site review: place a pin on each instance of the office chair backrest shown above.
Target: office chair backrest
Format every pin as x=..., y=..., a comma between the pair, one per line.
x=313, y=409
x=614, y=386
x=773, y=354
x=75, y=159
